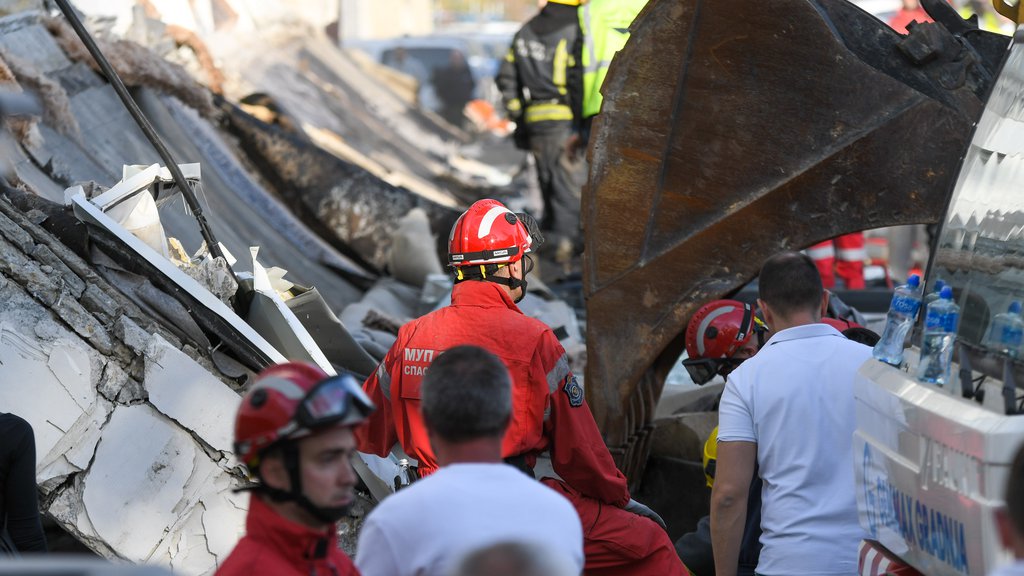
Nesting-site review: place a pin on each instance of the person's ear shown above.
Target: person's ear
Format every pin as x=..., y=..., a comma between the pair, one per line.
x=273, y=472
x=767, y=313
x=825, y=295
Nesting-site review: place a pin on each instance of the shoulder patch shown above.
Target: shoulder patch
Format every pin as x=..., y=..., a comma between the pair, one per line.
x=574, y=391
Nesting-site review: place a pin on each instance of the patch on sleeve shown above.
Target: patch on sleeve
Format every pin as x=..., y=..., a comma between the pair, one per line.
x=574, y=391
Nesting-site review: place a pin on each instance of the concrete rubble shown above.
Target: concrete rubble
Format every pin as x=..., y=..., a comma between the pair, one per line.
x=128, y=368
x=134, y=454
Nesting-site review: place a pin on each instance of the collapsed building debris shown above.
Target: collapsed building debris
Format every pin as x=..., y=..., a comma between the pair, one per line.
x=111, y=375
x=139, y=362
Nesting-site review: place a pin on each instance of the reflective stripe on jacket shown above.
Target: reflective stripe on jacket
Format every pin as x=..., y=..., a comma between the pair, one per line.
x=605, y=26
x=540, y=71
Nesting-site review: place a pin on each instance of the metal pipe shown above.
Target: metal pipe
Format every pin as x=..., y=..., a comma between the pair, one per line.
x=144, y=125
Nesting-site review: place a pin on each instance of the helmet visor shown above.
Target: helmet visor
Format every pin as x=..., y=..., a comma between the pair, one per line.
x=533, y=228
x=338, y=401
x=527, y=265
x=702, y=370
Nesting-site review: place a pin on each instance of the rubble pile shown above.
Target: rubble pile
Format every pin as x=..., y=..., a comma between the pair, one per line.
x=129, y=370
x=134, y=454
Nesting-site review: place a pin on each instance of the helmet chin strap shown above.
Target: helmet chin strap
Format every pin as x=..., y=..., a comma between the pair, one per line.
x=470, y=273
x=512, y=284
x=325, y=514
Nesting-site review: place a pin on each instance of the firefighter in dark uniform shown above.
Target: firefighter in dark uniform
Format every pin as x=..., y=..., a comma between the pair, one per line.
x=541, y=84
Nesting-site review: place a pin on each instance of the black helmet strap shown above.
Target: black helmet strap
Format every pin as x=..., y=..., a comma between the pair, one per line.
x=290, y=454
x=487, y=273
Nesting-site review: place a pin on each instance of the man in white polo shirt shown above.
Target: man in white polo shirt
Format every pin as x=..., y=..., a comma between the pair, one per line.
x=790, y=410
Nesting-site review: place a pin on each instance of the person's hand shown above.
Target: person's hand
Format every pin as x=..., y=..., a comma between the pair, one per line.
x=574, y=146
x=642, y=510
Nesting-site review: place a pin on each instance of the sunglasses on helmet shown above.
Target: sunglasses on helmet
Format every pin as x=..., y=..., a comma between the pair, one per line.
x=702, y=370
x=336, y=401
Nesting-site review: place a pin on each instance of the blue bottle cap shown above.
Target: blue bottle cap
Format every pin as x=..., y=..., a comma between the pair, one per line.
x=1015, y=307
x=947, y=293
x=939, y=284
x=914, y=281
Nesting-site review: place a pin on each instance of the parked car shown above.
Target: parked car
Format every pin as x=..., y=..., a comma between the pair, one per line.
x=423, y=56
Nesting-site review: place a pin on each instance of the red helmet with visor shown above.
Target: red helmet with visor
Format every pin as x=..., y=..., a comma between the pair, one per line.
x=291, y=400
x=715, y=334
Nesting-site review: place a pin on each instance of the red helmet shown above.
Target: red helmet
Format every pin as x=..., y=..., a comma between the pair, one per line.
x=291, y=400
x=719, y=329
x=488, y=233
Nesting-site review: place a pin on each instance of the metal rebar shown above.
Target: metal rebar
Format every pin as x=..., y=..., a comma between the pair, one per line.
x=144, y=125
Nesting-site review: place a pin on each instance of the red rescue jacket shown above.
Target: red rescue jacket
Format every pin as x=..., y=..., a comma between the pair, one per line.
x=548, y=409
x=276, y=546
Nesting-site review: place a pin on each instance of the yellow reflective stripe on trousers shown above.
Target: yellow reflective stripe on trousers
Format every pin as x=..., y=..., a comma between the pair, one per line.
x=545, y=112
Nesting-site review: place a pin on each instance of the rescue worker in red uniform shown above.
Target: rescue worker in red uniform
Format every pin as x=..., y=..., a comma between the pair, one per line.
x=842, y=256
x=294, y=431
x=488, y=249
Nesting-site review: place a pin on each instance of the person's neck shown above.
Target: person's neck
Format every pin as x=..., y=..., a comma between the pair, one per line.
x=794, y=320
x=477, y=451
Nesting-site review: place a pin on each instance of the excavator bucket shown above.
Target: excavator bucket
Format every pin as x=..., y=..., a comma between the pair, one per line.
x=732, y=130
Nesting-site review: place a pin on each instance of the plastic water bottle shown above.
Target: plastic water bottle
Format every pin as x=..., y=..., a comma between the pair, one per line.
x=1007, y=331
x=940, y=322
x=906, y=301
x=934, y=294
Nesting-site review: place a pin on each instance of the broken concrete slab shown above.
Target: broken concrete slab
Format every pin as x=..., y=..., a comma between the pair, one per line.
x=97, y=478
x=57, y=367
x=75, y=449
x=73, y=366
x=74, y=284
x=348, y=205
x=188, y=394
x=28, y=376
x=137, y=491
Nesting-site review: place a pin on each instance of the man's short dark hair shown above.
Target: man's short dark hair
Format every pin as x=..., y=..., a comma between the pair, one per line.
x=789, y=282
x=467, y=394
x=1014, y=493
